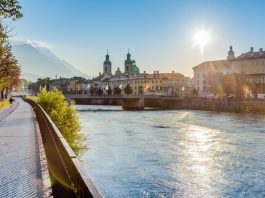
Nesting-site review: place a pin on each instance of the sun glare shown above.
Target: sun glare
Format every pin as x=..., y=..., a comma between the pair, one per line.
x=201, y=39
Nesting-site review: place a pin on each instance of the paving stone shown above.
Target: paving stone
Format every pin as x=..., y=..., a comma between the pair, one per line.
x=20, y=174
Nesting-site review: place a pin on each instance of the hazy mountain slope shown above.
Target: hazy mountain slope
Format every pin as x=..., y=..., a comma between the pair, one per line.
x=41, y=62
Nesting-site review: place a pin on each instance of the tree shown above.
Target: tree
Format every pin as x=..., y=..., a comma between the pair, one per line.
x=128, y=90
x=109, y=91
x=99, y=91
x=10, y=9
x=9, y=69
x=93, y=91
x=64, y=117
x=226, y=84
x=117, y=90
x=44, y=83
x=213, y=83
x=194, y=92
x=240, y=84
x=33, y=88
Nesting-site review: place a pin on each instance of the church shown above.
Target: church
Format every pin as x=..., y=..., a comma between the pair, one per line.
x=140, y=83
x=129, y=67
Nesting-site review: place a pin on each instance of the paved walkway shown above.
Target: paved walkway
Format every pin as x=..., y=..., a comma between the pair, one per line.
x=20, y=172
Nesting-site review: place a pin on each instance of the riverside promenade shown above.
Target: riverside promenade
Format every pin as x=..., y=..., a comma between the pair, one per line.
x=21, y=174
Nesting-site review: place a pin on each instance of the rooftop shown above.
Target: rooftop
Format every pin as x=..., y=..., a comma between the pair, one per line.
x=252, y=55
x=215, y=64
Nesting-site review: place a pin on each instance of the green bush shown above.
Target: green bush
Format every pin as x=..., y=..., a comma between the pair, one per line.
x=4, y=103
x=64, y=117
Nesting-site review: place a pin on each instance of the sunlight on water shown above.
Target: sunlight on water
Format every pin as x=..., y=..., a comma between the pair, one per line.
x=174, y=153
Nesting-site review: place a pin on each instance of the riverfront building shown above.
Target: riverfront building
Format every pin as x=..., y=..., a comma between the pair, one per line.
x=75, y=85
x=171, y=84
x=251, y=64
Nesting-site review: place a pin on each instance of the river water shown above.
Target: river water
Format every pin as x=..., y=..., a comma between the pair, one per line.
x=174, y=153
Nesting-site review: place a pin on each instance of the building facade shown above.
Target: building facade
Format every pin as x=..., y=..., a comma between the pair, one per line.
x=75, y=85
x=250, y=64
x=171, y=84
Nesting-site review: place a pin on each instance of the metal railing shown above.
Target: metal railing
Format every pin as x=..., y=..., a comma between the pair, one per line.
x=68, y=178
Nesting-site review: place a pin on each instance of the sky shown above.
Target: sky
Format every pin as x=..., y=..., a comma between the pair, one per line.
x=159, y=33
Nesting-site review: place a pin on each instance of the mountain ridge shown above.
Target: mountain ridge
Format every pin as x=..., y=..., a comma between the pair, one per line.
x=37, y=62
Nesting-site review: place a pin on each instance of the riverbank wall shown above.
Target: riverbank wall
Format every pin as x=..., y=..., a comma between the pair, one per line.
x=237, y=106
x=221, y=105
x=98, y=101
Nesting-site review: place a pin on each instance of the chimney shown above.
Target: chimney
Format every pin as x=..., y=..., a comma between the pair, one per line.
x=261, y=49
x=144, y=72
x=251, y=49
x=173, y=72
x=99, y=73
x=157, y=72
x=154, y=72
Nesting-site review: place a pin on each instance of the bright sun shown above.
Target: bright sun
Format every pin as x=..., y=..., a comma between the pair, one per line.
x=201, y=39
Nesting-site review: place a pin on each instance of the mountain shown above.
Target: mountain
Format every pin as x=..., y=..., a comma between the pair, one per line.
x=39, y=62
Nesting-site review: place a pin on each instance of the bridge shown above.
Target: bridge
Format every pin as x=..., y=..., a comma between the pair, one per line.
x=128, y=102
x=35, y=159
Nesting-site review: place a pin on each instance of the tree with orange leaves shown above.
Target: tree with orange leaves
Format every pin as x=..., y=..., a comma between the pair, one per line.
x=9, y=69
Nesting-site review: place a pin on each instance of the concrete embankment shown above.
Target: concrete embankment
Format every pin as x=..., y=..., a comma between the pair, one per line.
x=221, y=105
x=99, y=101
x=208, y=105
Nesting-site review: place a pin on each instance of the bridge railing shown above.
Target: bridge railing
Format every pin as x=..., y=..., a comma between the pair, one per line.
x=67, y=176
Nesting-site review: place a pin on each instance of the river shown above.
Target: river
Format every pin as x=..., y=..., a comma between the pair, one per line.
x=174, y=153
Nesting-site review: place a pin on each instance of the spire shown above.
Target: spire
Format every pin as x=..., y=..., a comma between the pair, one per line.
x=107, y=55
x=128, y=55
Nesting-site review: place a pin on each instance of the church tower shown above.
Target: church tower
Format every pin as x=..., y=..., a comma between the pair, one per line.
x=231, y=54
x=107, y=65
x=128, y=64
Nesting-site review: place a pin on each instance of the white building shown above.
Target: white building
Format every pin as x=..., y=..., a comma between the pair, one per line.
x=251, y=64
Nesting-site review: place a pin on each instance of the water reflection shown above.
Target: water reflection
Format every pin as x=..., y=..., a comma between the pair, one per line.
x=197, y=166
x=175, y=153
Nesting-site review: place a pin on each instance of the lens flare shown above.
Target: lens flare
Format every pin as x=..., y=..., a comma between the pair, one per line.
x=201, y=39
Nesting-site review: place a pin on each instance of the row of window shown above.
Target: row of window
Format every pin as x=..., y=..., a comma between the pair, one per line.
x=260, y=63
x=129, y=82
x=141, y=88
